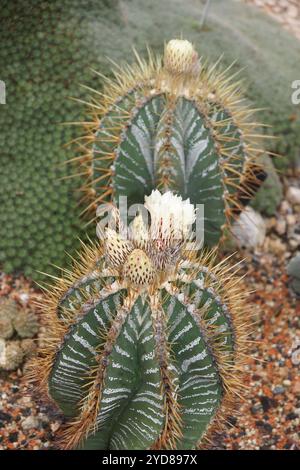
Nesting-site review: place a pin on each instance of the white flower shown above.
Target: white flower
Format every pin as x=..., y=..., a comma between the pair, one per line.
x=171, y=217
x=153, y=249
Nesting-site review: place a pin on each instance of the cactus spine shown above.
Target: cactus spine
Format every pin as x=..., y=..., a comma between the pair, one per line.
x=175, y=124
x=145, y=339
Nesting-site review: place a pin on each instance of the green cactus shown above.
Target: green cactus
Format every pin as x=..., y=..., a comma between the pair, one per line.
x=11, y=355
x=26, y=324
x=16, y=323
x=145, y=339
x=177, y=125
x=28, y=346
x=8, y=311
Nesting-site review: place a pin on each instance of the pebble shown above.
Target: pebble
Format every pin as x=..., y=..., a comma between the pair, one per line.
x=29, y=423
x=276, y=246
x=4, y=417
x=296, y=358
x=256, y=409
x=291, y=219
x=249, y=230
x=293, y=195
x=54, y=426
x=285, y=208
x=278, y=390
x=280, y=226
x=287, y=383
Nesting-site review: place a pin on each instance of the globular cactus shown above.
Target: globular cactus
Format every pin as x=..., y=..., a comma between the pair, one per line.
x=146, y=339
x=11, y=355
x=23, y=321
x=26, y=324
x=8, y=310
x=28, y=346
x=16, y=323
x=174, y=124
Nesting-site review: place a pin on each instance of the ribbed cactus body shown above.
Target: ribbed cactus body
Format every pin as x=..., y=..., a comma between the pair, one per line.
x=143, y=369
x=172, y=128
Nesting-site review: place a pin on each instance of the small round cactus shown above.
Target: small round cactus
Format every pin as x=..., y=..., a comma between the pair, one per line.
x=28, y=346
x=26, y=324
x=8, y=310
x=6, y=328
x=16, y=323
x=11, y=355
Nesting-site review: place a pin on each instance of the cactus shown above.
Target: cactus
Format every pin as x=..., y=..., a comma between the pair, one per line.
x=6, y=327
x=14, y=323
x=26, y=324
x=176, y=126
x=28, y=346
x=13, y=319
x=8, y=310
x=145, y=339
x=11, y=355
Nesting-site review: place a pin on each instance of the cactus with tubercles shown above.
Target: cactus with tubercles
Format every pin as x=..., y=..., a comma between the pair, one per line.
x=172, y=123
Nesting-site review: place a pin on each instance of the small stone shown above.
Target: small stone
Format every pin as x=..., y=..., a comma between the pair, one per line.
x=291, y=416
x=24, y=297
x=256, y=408
x=296, y=360
x=54, y=426
x=271, y=223
x=278, y=390
x=249, y=230
x=43, y=418
x=280, y=226
x=13, y=437
x=30, y=422
x=293, y=195
x=276, y=246
x=285, y=208
x=266, y=403
x=287, y=383
x=293, y=244
x=4, y=417
x=291, y=220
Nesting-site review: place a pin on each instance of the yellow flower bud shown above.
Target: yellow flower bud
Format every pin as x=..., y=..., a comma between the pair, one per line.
x=180, y=57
